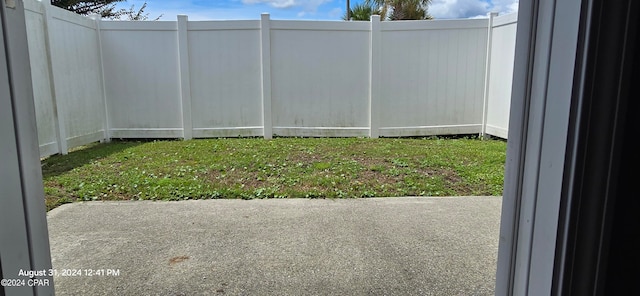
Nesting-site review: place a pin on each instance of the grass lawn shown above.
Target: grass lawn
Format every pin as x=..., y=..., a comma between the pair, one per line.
x=278, y=168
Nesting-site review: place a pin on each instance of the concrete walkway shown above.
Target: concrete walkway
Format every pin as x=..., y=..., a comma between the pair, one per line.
x=377, y=246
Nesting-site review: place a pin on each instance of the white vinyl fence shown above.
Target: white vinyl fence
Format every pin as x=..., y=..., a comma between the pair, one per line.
x=500, y=68
x=67, y=80
x=432, y=77
x=97, y=80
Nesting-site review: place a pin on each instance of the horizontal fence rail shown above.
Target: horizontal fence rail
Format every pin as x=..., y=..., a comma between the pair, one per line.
x=96, y=80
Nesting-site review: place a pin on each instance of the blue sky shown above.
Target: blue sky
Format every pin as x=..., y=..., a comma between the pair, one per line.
x=304, y=9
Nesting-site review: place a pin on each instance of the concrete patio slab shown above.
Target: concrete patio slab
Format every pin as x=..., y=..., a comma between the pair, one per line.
x=377, y=246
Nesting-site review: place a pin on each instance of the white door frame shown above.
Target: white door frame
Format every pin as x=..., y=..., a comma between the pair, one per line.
x=543, y=80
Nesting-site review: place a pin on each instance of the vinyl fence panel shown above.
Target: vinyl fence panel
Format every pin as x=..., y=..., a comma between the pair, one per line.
x=225, y=78
x=75, y=61
x=41, y=80
x=501, y=69
x=142, y=79
x=432, y=79
x=320, y=80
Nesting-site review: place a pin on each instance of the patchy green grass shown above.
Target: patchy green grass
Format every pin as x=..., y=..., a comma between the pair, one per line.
x=278, y=168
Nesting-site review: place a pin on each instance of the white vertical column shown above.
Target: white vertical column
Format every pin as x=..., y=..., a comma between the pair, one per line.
x=374, y=77
x=105, y=122
x=487, y=74
x=58, y=110
x=24, y=238
x=265, y=57
x=185, y=81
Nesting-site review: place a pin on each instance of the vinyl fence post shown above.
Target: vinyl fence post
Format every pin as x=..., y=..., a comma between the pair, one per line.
x=374, y=77
x=185, y=83
x=265, y=58
x=487, y=74
x=58, y=110
x=105, y=123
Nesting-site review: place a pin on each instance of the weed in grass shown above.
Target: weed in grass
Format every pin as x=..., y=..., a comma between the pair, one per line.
x=321, y=165
x=400, y=163
x=377, y=168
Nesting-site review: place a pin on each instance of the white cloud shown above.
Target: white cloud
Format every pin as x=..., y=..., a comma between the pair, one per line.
x=274, y=3
x=308, y=6
x=312, y=5
x=480, y=16
x=505, y=6
x=448, y=9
